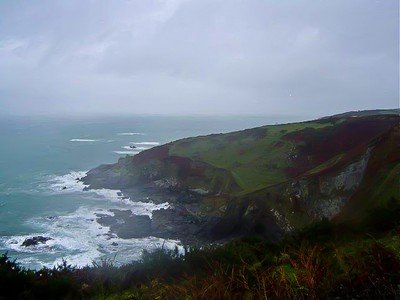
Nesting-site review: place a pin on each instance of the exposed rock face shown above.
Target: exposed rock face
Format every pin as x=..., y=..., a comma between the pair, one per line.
x=282, y=221
x=167, y=173
x=167, y=183
x=274, y=211
x=174, y=223
x=200, y=191
x=36, y=240
x=324, y=196
x=125, y=224
x=347, y=180
x=248, y=216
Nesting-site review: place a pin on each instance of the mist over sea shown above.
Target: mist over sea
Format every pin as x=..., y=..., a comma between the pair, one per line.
x=40, y=159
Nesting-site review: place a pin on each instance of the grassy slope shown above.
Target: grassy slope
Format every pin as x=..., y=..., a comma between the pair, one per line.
x=266, y=156
x=252, y=156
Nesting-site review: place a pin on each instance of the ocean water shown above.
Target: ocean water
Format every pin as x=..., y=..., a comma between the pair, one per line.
x=41, y=156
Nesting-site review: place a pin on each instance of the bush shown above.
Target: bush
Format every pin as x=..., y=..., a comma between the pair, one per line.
x=382, y=219
x=324, y=260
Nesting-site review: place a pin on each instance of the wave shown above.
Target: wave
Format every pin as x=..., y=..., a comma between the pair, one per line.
x=131, y=133
x=146, y=143
x=15, y=243
x=79, y=239
x=68, y=183
x=135, y=149
x=77, y=236
x=82, y=140
x=127, y=152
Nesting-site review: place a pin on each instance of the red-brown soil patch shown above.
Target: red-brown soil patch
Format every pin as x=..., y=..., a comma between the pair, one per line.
x=160, y=152
x=350, y=138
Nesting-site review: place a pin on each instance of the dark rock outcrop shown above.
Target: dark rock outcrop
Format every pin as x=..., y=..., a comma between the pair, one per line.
x=36, y=240
x=125, y=224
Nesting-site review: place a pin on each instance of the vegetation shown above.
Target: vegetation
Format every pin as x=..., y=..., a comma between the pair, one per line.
x=243, y=153
x=262, y=157
x=325, y=260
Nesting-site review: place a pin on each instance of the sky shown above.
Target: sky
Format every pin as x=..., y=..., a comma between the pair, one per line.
x=179, y=57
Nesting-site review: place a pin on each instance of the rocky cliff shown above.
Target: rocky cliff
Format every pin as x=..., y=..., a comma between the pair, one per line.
x=267, y=180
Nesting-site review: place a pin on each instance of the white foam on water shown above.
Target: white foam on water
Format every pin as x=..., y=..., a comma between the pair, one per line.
x=77, y=233
x=77, y=237
x=131, y=133
x=123, y=250
x=126, y=152
x=15, y=243
x=82, y=140
x=147, y=208
x=30, y=261
x=68, y=183
x=127, y=147
x=137, y=207
x=80, y=240
x=136, y=148
x=146, y=143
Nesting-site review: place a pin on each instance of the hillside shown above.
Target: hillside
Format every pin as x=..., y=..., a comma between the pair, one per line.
x=268, y=180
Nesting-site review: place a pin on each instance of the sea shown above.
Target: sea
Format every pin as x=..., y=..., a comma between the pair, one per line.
x=40, y=160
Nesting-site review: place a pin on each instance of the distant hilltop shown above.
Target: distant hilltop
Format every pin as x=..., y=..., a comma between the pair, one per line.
x=365, y=113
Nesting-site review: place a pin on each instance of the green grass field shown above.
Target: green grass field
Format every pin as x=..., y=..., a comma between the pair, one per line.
x=255, y=159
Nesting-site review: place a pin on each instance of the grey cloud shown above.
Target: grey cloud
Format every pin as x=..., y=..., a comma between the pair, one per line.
x=186, y=56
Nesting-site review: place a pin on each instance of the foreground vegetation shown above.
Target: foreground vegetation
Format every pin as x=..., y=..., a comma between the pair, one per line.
x=325, y=260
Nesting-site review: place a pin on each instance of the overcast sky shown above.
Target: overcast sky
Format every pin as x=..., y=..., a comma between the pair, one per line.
x=186, y=56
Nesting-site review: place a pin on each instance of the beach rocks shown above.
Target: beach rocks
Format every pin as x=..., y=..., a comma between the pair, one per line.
x=36, y=240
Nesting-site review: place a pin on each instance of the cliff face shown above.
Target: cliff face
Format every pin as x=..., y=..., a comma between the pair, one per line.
x=324, y=196
x=272, y=179
x=156, y=168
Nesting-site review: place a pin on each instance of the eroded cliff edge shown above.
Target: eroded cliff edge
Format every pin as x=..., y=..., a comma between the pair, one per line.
x=268, y=180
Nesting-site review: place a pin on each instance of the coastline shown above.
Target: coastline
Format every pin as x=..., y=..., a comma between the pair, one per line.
x=213, y=198
x=176, y=221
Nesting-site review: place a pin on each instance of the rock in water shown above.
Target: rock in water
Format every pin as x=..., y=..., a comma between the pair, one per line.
x=36, y=240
